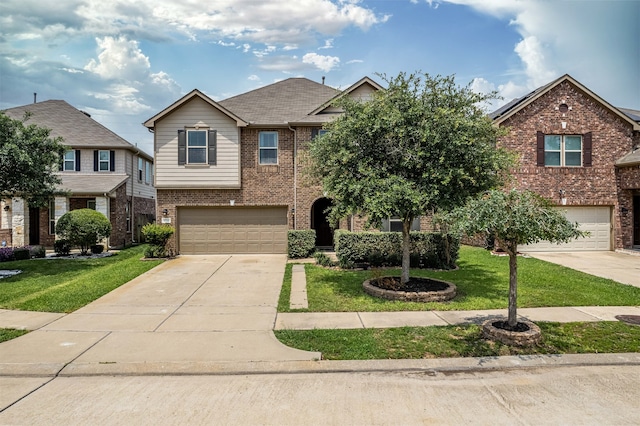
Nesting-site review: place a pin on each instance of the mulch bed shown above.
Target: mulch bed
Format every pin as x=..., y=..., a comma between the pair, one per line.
x=414, y=284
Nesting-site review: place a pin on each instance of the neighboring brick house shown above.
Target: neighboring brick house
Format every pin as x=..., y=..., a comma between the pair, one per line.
x=228, y=173
x=100, y=170
x=582, y=153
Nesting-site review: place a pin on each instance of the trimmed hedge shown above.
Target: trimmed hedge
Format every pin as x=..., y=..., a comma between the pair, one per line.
x=428, y=249
x=301, y=243
x=157, y=236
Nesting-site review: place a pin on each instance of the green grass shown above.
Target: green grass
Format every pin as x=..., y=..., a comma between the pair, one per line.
x=8, y=334
x=482, y=281
x=64, y=285
x=460, y=341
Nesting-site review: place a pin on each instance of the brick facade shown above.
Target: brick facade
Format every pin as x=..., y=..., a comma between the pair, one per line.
x=598, y=185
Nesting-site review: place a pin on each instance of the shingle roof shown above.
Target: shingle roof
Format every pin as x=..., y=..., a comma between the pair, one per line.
x=85, y=184
x=76, y=128
x=286, y=101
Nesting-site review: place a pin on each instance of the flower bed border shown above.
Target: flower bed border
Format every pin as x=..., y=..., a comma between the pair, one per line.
x=412, y=296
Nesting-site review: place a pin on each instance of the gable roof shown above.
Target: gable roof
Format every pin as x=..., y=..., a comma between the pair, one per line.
x=362, y=82
x=151, y=122
x=280, y=103
x=77, y=128
x=506, y=111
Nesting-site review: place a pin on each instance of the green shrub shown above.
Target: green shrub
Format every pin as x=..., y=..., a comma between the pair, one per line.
x=37, y=252
x=157, y=236
x=62, y=247
x=301, y=243
x=21, y=253
x=381, y=249
x=83, y=228
x=323, y=260
x=97, y=249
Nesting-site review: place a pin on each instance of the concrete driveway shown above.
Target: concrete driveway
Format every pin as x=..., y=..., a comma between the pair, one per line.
x=180, y=315
x=621, y=267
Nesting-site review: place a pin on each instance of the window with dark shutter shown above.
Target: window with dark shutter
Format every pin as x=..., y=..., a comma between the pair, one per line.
x=112, y=161
x=182, y=147
x=540, y=148
x=78, y=160
x=314, y=133
x=95, y=160
x=586, y=150
x=213, y=147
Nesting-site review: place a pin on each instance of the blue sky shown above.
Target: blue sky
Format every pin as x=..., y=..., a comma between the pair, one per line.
x=124, y=61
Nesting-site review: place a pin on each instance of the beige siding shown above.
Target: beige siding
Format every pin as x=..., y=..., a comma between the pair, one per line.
x=142, y=188
x=226, y=173
x=364, y=92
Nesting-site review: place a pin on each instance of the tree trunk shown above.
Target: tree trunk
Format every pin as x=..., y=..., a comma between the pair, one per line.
x=513, y=284
x=406, y=250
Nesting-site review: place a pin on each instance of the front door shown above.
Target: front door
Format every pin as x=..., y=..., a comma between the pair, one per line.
x=319, y=222
x=34, y=226
x=636, y=220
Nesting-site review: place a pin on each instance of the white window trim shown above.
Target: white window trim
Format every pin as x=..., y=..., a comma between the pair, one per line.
x=107, y=161
x=140, y=169
x=147, y=176
x=276, y=148
x=205, y=147
x=563, y=151
x=73, y=165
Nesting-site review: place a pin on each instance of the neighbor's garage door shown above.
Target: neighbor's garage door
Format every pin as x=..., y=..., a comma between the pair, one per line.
x=596, y=220
x=232, y=230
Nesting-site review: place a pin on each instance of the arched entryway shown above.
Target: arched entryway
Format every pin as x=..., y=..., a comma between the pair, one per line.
x=319, y=222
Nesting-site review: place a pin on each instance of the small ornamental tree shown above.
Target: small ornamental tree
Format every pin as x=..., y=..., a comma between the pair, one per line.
x=514, y=218
x=83, y=228
x=420, y=145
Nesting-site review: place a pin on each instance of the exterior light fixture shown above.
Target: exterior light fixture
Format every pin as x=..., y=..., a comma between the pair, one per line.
x=165, y=212
x=7, y=208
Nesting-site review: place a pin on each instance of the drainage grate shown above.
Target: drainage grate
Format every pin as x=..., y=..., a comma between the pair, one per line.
x=629, y=319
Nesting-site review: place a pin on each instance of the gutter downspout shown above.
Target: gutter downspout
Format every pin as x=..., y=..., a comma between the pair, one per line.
x=133, y=196
x=295, y=176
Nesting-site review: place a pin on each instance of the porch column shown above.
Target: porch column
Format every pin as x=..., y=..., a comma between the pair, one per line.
x=19, y=221
x=102, y=206
x=61, y=207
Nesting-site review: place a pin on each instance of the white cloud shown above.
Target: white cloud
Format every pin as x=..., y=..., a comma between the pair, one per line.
x=325, y=63
x=253, y=77
x=118, y=58
x=328, y=44
x=481, y=85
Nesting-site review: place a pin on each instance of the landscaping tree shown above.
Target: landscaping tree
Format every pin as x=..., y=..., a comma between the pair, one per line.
x=28, y=159
x=421, y=145
x=514, y=218
x=157, y=237
x=83, y=228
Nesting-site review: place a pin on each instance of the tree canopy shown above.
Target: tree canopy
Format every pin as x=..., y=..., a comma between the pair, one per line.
x=420, y=145
x=28, y=159
x=514, y=218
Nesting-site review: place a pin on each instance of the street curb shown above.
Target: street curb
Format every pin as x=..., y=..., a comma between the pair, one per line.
x=430, y=367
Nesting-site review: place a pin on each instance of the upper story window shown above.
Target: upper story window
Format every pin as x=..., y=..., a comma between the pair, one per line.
x=147, y=176
x=69, y=164
x=140, y=169
x=268, y=148
x=564, y=150
x=197, y=147
x=104, y=161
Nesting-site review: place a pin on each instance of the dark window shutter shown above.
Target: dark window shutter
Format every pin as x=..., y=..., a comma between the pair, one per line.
x=95, y=160
x=77, y=160
x=213, y=147
x=112, y=161
x=61, y=164
x=314, y=133
x=182, y=147
x=586, y=150
x=540, y=148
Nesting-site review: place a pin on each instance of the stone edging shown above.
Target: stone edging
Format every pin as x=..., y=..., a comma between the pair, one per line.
x=412, y=296
x=518, y=338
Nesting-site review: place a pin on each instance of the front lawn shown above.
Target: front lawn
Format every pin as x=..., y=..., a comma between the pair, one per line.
x=64, y=285
x=460, y=341
x=482, y=281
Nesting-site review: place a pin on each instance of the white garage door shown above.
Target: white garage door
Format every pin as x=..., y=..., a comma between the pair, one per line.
x=595, y=220
x=232, y=230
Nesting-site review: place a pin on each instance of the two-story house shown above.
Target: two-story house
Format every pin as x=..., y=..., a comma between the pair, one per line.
x=100, y=170
x=583, y=154
x=228, y=173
